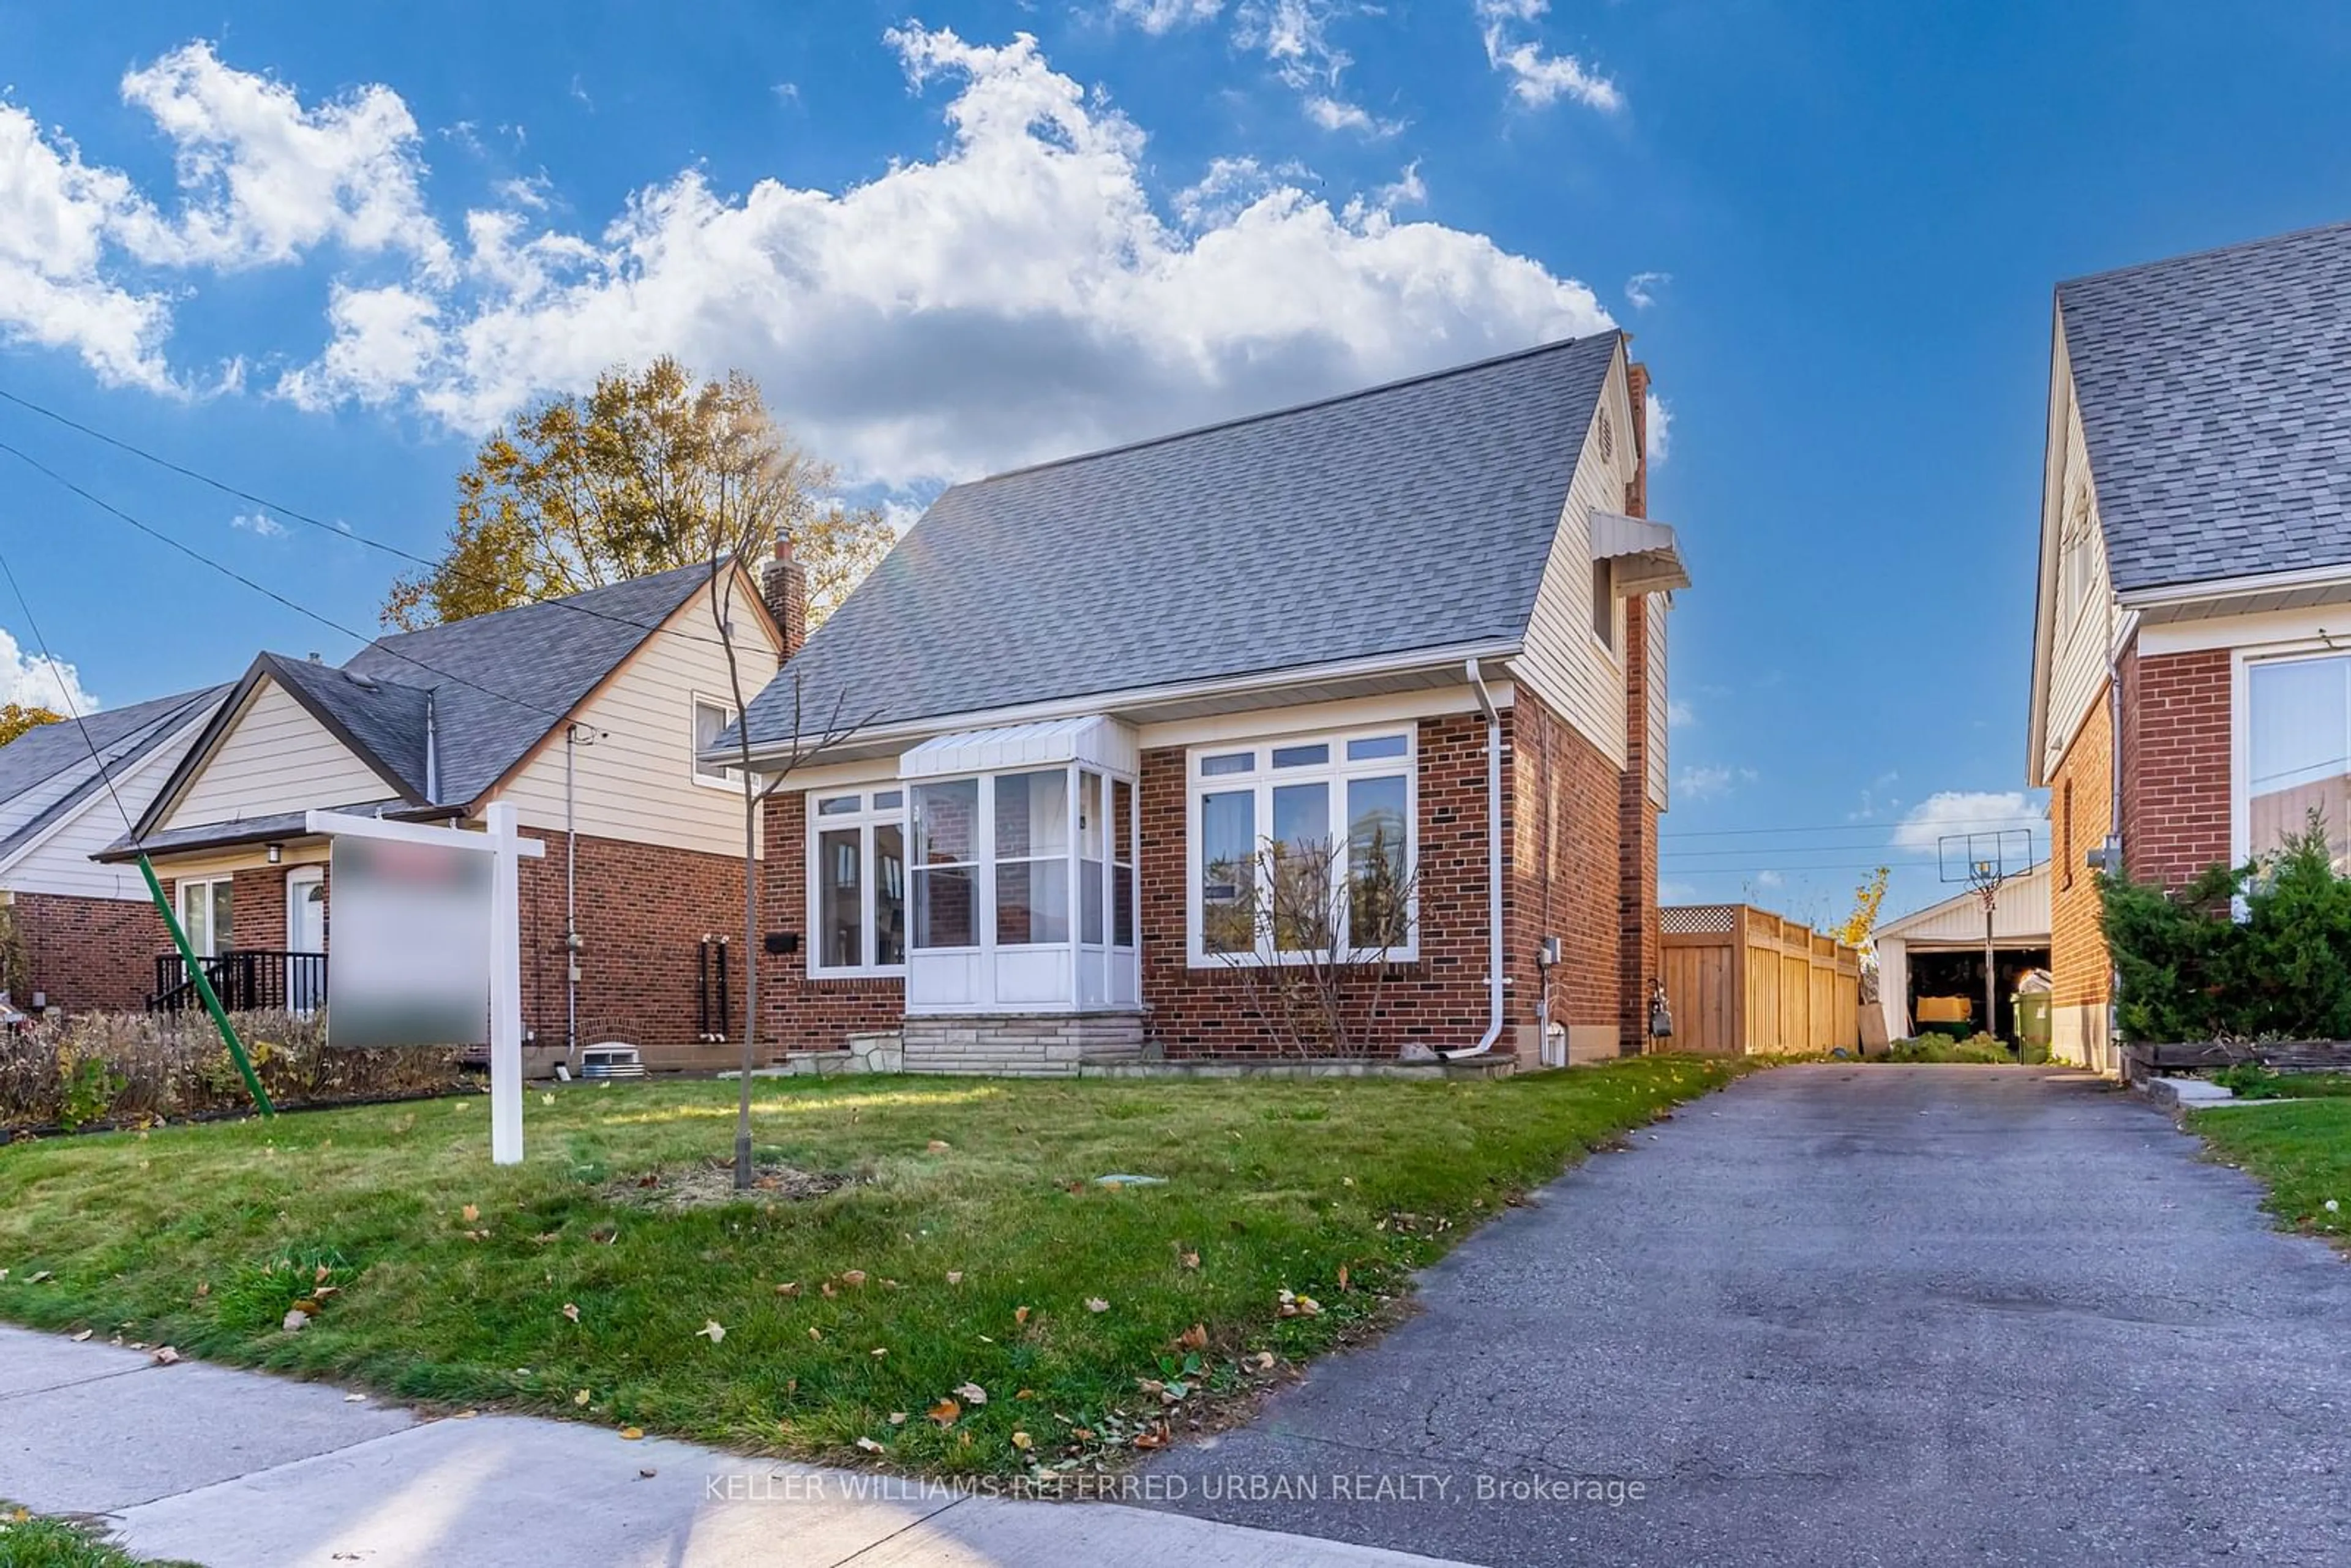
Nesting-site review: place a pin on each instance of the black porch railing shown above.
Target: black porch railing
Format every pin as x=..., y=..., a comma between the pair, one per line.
x=246, y=979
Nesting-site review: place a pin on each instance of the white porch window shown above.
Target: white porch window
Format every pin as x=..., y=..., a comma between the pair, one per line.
x=1021, y=868
x=857, y=882
x=1344, y=806
x=2297, y=750
x=204, y=906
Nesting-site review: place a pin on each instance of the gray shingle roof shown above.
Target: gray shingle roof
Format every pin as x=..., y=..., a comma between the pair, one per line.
x=539, y=661
x=1416, y=515
x=57, y=755
x=2215, y=392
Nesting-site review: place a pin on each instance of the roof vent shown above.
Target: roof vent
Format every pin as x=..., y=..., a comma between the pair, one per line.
x=364, y=683
x=1607, y=439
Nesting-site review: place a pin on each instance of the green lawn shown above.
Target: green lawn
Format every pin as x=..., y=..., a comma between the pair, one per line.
x=973, y=1249
x=29, y=1542
x=2301, y=1151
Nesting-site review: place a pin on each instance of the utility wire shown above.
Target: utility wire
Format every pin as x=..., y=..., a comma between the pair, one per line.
x=234, y=575
x=336, y=529
x=2018, y=822
x=65, y=694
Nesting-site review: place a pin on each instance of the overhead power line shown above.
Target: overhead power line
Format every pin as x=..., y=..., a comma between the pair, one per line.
x=234, y=575
x=2015, y=820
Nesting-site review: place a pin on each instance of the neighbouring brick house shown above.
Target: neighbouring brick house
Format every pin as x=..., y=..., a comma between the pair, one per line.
x=1091, y=705
x=587, y=712
x=2191, y=690
x=85, y=935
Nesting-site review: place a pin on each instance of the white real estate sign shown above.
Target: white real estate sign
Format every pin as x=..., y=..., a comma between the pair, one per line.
x=427, y=946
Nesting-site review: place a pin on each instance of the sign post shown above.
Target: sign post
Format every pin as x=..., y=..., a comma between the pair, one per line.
x=406, y=925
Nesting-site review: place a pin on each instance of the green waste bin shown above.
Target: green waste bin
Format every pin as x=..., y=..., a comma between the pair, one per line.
x=2032, y=1025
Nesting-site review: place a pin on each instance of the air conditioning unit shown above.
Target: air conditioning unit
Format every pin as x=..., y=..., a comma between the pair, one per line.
x=611, y=1059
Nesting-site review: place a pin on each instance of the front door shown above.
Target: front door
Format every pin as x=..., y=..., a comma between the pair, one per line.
x=306, y=937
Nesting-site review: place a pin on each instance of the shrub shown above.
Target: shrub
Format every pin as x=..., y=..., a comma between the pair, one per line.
x=1981, y=1047
x=2189, y=972
x=163, y=1066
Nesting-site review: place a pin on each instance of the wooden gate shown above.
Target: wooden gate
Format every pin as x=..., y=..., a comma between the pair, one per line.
x=1743, y=981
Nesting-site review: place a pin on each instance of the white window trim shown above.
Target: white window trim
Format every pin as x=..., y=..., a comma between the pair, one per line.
x=984, y=865
x=865, y=819
x=180, y=886
x=728, y=778
x=2241, y=726
x=1262, y=780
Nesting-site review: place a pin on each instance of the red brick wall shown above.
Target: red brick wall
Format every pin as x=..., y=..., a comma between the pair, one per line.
x=1636, y=836
x=88, y=955
x=798, y=1013
x=1563, y=811
x=2081, y=794
x=1438, y=999
x=2175, y=764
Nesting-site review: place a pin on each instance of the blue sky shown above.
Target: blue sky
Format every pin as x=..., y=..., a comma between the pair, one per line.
x=316, y=251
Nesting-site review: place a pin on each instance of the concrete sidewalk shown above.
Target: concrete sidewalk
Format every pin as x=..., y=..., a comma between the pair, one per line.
x=239, y=1470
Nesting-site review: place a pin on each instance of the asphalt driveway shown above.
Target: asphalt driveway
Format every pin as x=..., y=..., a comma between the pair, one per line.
x=1843, y=1315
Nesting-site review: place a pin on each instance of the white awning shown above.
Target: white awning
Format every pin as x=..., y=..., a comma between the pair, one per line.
x=1647, y=558
x=1095, y=740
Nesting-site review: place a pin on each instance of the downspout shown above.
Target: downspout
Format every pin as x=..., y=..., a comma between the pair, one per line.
x=432, y=752
x=1493, y=868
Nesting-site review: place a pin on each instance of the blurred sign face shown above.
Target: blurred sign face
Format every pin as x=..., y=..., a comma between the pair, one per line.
x=410, y=957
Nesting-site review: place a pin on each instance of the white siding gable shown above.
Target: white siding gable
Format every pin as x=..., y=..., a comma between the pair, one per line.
x=635, y=780
x=2087, y=617
x=277, y=756
x=58, y=861
x=1564, y=662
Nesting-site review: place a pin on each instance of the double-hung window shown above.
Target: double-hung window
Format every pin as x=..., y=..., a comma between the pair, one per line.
x=857, y=882
x=711, y=718
x=204, y=911
x=2297, y=752
x=1301, y=846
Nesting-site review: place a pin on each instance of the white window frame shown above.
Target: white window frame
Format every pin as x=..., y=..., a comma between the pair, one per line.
x=865, y=819
x=2241, y=727
x=211, y=948
x=1263, y=778
x=725, y=778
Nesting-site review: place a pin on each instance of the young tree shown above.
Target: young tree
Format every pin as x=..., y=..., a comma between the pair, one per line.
x=628, y=480
x=15, y=718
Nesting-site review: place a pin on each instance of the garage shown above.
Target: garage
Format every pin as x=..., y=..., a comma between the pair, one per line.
x=1930, y=963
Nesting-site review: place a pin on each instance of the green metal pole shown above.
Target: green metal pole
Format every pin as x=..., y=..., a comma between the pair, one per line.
x=205, y=989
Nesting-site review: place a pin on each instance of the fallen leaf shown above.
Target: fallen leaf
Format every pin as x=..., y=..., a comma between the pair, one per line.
x=1026, y=1393
x=39, y=1276
x=1096, y=1304
x=469, y=1214
x=1019, y=1314
x=1192, y=1338
x=465, y=1415
x=547, y=1099
x=1150, y=1440
x=631, y=1433
x=1022, y=1441
x=714, y=1331
x=571, y=1311
x=308, y=1306
x=1191, y=1260
x=937, y=1146
x=647, y=1475
x=788, y=1288
x=296, y=1321
x=853, y=1278
x=870, y=1445
x=1342, y=1278
x=955, y=1276
x=581, y=1399
x=204, y=1288
x=1264, y=1360
x=81, y=1336
x=165, y=1355
x=815, y=1333
x=944, y=1412
x=879, y=1351
x=897, y=1417
x=354, y=1398
x=973, y=1393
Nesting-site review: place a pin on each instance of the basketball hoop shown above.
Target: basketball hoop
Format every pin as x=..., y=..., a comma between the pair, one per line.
x=1984, y=861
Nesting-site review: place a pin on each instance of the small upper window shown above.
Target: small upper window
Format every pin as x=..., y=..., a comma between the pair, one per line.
x=1230, y=762
x=840, y=805
x=1300, y=756
x=710, y=722
x=1603, y=603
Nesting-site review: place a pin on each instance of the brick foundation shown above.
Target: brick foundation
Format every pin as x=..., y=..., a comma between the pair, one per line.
x=1024, y=1045
x=87, y=954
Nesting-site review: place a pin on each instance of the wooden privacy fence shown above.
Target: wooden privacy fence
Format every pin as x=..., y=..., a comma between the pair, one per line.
x=1742, y=981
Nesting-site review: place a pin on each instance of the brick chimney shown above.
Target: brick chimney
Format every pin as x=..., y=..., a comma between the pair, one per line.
x=783, y=587
x=1639, y=951
x=1637, y=493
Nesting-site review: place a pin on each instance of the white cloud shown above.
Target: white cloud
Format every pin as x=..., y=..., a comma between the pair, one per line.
x=59, y=218
x=1679, y=714
x=1157, y=16
x=1964, y=811
x=260, y=523
x=1641, y=288
x=1538, y=77
x=1337, y=114
x=1671, y=891
x=1018, y=296
x=264, y=180
x=1770, y=879
x=1712, y=782
x=1657, y=428
x=36, y=682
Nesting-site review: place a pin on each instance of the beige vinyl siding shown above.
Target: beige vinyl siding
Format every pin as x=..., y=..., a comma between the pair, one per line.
x=1660, y=714
x=59, y=861
x=276, y=758
x=636, y=780
x=2087, y=617
x=1563, y=661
